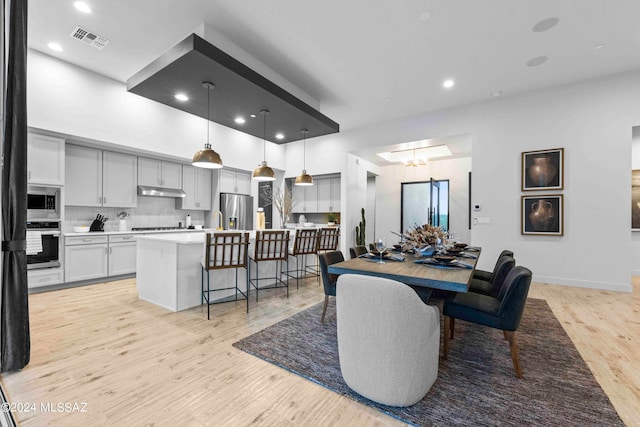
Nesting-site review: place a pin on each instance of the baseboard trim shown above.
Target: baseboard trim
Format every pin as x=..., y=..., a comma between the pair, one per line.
x=618, y=287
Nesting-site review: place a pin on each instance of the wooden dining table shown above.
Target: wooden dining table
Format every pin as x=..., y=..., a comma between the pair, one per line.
x=422, y=277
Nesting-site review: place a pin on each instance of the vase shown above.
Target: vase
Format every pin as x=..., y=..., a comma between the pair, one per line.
x=122, y=225
x=542, y=171
x=542, y=215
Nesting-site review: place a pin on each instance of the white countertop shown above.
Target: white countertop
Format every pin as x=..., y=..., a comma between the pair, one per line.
x=109, y=233
x=189, y=238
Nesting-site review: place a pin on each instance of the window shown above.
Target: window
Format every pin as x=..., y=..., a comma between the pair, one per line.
x=425, y=202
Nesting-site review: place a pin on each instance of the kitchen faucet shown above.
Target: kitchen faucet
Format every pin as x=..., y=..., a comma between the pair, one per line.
x=218, y=214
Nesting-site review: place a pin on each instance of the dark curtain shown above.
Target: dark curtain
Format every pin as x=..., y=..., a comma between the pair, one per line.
x=14, y=312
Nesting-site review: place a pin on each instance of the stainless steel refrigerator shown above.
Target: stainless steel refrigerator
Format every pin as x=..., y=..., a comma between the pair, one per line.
x=237, y=211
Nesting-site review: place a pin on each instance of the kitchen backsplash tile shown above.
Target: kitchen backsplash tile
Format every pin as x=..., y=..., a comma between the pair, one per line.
x=151, y=212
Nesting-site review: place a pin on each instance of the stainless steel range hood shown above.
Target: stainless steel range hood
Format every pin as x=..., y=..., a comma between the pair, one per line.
x=145, y=190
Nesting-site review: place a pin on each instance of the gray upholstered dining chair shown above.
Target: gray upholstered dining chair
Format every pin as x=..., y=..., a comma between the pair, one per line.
x=492, y=287
x=356, y=251
x=388, y=339
x=502, y=312
x=328, y=280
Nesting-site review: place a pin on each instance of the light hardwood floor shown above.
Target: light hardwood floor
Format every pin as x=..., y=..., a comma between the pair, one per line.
x=137, y=364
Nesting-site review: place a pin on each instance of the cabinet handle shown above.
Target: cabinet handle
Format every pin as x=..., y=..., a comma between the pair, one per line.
x=104, y=200
x=45, y=279
x=106, y=250
x=127, y=238
x=86, y=240
x=29, y=175
x=110, y=250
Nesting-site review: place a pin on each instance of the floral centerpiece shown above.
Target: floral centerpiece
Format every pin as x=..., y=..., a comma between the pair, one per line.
x=420, y=236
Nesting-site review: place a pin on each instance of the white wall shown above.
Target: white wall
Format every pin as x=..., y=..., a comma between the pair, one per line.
x=388, y=194
x=591, y=120
x=635, y=235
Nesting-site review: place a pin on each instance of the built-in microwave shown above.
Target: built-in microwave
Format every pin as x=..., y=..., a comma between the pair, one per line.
x=43, y=202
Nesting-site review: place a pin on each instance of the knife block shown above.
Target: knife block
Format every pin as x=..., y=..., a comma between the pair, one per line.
x=97, y=225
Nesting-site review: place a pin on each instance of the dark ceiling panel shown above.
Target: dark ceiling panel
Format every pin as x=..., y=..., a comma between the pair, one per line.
x=239, y=91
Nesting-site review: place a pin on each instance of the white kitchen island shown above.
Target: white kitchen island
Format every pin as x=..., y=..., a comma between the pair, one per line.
x=169, y=271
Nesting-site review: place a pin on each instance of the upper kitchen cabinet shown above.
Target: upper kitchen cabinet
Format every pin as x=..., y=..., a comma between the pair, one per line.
x=119, y=172
x=99, y=178
x=305, y=199
x=328, y=194
x=196, y=183
x=158, y=173
x=45, y=160
x=235, y=182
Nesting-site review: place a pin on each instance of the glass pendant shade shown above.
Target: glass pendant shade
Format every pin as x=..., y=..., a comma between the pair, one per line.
x=207, y=157
x=304, y=179
x=264, y=172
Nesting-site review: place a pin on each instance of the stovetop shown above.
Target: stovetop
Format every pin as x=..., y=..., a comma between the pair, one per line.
x=156, y=228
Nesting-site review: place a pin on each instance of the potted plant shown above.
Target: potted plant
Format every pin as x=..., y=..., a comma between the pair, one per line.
x=331, y=219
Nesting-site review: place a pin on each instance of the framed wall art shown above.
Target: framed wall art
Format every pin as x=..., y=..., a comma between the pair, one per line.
x=543, y=170
x=635, y=200
x=543, y=215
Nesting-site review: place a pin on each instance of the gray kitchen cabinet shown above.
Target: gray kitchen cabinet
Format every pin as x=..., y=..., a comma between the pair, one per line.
x=119, y=187
x=159, y=173
x=99, y=178
x=306, y=199
x=45, y=160
x=235, y=182
x=328, y=194
x=122, y=254
x=196, y=183
x=85, y=258
x=83, y=176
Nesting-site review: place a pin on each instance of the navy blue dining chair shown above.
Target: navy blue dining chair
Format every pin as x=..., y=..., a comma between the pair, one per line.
x=502, y=312
x=329, y=280
x=487, y=275
x=492, y=287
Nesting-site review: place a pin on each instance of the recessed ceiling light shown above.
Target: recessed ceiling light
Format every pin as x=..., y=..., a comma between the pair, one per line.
x=82, y=7
x=253, y=116
x=279, y=135
x=538, y=60
x=181, y=97
x=496, y=94
x=387, y=100
x=55, y=46
x=448, y=84
x=598, y=46
x=545, y=24
x=240, y=120
x=424, y=17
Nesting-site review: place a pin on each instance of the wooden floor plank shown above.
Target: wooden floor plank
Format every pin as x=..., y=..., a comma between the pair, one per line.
x=138, y=364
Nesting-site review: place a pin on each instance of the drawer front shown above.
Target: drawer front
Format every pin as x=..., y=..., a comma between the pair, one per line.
x=118, y=238
x=44, y=277
x=88, y=240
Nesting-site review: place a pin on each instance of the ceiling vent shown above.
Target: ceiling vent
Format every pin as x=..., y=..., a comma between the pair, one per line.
x=89, y=38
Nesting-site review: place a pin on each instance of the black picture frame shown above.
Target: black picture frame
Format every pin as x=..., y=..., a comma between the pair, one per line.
x=543, y=170
x=542, y=215
x=635, y=200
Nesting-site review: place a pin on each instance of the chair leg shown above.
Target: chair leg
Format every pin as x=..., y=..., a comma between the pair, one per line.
x=452, y=326
x=324, y=310
x=246, y=271
x=447, y=332
x=506, y=335
x=297, y=274
x=514, y=353
x=208, y=296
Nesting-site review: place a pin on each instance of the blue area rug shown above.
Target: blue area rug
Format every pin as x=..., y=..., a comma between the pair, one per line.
x=476, y=386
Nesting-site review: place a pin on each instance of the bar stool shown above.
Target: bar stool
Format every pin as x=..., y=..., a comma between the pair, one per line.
x=223, y=251
x=304, y=243
x=270, y=245
x=327, y=241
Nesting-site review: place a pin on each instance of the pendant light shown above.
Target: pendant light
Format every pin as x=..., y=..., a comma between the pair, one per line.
x=304, y=178
x=207, y=158
x=415, y=162
x=264, y=172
